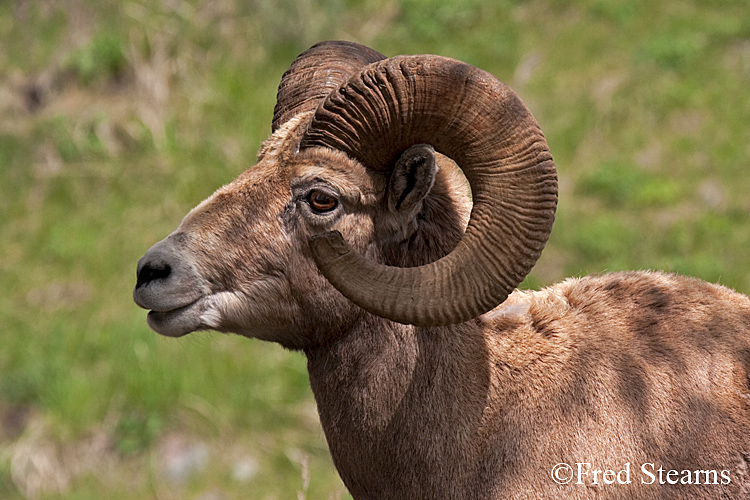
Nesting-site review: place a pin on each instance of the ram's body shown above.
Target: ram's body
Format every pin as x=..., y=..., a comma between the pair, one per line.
x=629, y=373
x=616, y=371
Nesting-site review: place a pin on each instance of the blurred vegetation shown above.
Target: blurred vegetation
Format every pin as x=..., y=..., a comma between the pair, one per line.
x=116, y=117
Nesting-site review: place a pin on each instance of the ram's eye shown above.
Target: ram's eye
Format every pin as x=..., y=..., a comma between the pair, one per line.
x=321, y=201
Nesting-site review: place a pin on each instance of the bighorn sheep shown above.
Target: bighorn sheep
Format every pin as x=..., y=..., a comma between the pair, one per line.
x=355, y=241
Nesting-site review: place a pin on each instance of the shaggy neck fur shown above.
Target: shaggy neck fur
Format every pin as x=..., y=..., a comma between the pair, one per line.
x=377, y=389
x=371, y=382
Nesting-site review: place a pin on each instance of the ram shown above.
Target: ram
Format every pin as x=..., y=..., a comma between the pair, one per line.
x=357, y=241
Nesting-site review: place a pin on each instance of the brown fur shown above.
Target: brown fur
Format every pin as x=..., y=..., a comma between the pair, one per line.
x=632, y=368
x=628, y=368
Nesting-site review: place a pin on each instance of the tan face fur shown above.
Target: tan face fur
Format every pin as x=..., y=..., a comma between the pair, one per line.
x=240, y=260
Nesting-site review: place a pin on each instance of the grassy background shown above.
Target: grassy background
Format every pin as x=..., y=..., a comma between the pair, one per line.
x=116, y=117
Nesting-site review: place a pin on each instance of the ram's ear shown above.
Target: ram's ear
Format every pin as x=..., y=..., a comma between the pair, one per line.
x=412, y=179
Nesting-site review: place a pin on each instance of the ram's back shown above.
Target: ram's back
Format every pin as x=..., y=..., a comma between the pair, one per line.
x=627, y=371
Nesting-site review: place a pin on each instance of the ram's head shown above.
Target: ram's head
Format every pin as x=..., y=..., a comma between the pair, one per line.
x=353, y=210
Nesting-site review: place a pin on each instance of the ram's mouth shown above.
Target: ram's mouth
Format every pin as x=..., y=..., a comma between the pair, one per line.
x=179, y=321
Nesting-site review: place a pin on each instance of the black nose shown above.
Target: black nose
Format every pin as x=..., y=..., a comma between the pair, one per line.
x=151, y=270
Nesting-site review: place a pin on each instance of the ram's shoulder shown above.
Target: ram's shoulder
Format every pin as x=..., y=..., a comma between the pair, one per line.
x=634, y=301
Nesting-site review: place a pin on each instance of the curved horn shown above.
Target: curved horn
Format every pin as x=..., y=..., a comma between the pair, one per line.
x=315, y=74
x=472, y=117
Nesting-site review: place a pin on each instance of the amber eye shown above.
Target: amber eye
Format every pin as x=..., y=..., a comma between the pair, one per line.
x=321, y=202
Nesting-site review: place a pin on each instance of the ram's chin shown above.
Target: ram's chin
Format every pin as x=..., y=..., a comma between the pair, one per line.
x=253, y=315
x=177, y=322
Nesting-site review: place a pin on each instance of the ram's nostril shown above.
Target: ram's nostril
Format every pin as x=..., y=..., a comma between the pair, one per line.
x=151, y=271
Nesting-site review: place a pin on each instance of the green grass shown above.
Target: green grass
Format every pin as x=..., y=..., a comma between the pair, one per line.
x=116, y=120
